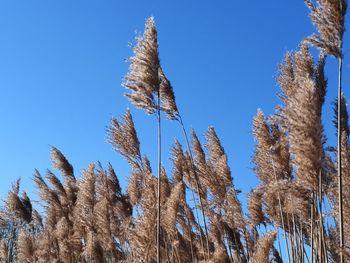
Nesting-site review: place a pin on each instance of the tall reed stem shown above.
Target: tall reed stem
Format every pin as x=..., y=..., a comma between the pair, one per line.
x=197, y=217
x=280, y=208
x=340, y=178
x=312, y=227
x=197, y=183
x=322, y=235
x=159, y=174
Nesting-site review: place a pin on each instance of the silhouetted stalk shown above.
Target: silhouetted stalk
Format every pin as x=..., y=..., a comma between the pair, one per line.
x=295, y=238
x=320, y=200
x=301, y=242
x=236, y=243
x=312, y=228
x=279, y=243
x=177, y=254
x=280, y=208
x=340, y=179
x=190, y=233
x=230, y=249
x=246, y=253
x=290, y=238
x=159, y=174
x=306, y=256
x=196, y=182
x=320, y=225
x=197, y=217
x=227, y=248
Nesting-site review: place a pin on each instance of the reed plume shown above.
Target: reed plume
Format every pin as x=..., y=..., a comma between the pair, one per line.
x=123, y=137
x=344, y=116
x=167, y=97
x=143, y=75
x=86, y=200
x=263, y=248
x=255, y=207
x=151, y=91
x=303, y=99
x=60, y=162
x=328, y=17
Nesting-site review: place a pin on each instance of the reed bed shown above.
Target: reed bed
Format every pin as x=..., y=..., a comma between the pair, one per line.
x=299, y=212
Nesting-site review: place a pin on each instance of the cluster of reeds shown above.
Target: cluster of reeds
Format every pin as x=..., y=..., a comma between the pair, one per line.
x=300, y=212
x=304, y=185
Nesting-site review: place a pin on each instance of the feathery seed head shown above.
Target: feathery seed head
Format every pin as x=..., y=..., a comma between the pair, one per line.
x=143, y=76
x=60, y=162
x=328, y=16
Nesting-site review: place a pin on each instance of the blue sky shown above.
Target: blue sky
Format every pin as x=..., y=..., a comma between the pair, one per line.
x=62, y=63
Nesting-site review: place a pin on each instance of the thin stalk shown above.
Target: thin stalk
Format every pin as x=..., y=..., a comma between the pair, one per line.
x=295, y=239
x=191, y=240
x=281, y=212
x=340, y=178
x=320, y=245
x=320, y=200
x=279, y=242
x=159, y=174
x=237, y=247
x=246, y=255
x=197, y=183
x=189, y=229
x=227, y=248
x=307, y=258
x=230, y=253
x=197, y=217
x=301, y=241
x=312, y=228
x=290, y=238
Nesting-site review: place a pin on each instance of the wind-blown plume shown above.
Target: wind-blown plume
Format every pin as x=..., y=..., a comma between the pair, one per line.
x=262, y=156
x=60, y=162
x=26, y=248
x=18, y=208
x=218, y=159
x=271, y=157
x=123, y=137
x=86, y=199
x=256, y=214
x=328, y=17
x=167, y=96
x=179, y=162
x=304, y=96
x=344, y=116
x=263, y=248
x=143, y=75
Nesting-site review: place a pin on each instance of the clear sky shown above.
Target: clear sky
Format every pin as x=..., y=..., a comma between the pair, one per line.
x=62, y=63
